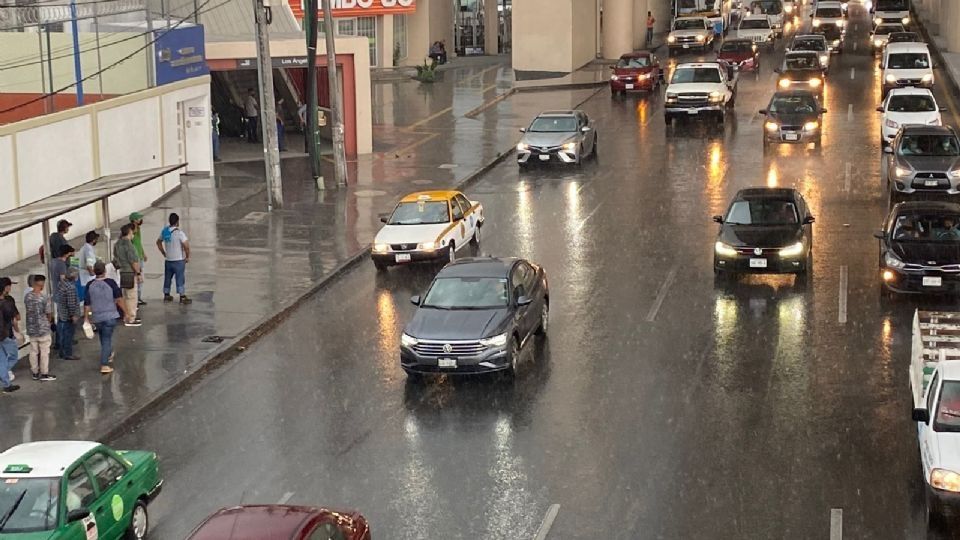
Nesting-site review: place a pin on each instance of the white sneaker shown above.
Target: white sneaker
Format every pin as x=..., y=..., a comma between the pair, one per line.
x=12, y=376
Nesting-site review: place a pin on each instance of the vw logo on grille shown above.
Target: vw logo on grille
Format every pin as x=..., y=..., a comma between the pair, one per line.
x=447, y=348
x=757, y=251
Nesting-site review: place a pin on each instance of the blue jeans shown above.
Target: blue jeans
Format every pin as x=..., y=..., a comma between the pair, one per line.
x=280, y=133
x=178, y=270
x=65, y=330
x=649, y=36
x=9, y=354
x=105, y=331
x=216, y=145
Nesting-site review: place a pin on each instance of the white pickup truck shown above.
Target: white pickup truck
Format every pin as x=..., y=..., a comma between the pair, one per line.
x=935, y=382
x=701, y=89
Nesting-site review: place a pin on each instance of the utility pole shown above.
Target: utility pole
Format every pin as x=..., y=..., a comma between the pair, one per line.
x=268, y=111
x=336, y=101
x=313, y=144
x=76, y=52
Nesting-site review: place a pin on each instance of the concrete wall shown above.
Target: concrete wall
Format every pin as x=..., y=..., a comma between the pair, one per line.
x=583, y=32
x=124, y=134
x=542, y=40
x=23, y=49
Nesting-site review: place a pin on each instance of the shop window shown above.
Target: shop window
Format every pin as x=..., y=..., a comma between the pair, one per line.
x=400, y=36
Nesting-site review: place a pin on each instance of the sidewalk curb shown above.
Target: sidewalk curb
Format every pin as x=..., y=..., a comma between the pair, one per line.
x=565, y=86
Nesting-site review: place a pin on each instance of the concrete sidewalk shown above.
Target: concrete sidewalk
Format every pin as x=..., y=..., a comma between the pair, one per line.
x=250, y=268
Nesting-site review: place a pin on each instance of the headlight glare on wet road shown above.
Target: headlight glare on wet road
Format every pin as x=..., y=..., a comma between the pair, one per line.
x=408, y=341
x=892, y=261
x=945, y=480
x=792, y=251
x=724, y=250
x=381, y=248
x=772, y=126
x=495, y=341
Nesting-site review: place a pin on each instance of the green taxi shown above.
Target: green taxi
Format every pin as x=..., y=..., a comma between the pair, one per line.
x=75, y=490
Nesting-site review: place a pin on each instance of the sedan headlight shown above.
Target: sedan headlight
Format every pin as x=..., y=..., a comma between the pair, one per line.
x=570, y=147
x=671, y=39
x=408, y=341
x=614, y=78
x=523, y=147
x=381, y=248
x=816, y=23
x=841, y=23
x=495, y=341
x=824, y=59
x=427, y=246
x=905, y=20
x=784, y=83
x=788, y=9
x=772, y=126
x=877, y=20
x=792, y=251
x=928, y=78
x=815, y=83
x=954, y=174
x=891, y=78
x=902, y=172
x=877, y=43
x=945, y=480
x=724, y=250
x=811, y=126
x=644, y=76
x=701, y=37
x=891, y=124
x=892, y=261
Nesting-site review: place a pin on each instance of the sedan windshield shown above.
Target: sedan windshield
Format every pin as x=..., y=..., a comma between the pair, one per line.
x=911, y=103
x=948, y=411
x=554, y=124
x=467, y=293
x=908, y=61
x=801, y=61
x=640, y=62
x=762, y=212
x=689, y=24
x=696, y=75
x=30, y=502
x=929, y=145
x=420, y=213
x=737, y=46
x=810, y=45
x=748, y=24
x=793, y=105
x=926, y=228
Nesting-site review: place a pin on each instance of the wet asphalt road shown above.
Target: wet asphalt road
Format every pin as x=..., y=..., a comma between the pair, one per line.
x=660, y=406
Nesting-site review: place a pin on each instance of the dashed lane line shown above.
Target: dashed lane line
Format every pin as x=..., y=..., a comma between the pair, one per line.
x=547, y=522
x=846, y=176
x=836, y=524
x=584, y=220
x=842, y=311
x=286, y=497
x=853, y=73
x=662, y=294
x=850, y=112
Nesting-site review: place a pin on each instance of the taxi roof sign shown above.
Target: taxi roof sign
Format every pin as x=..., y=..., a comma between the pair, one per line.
x=18, y=469
x=423, y=197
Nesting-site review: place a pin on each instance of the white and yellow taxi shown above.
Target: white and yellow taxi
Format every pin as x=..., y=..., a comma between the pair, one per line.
x=427, y=226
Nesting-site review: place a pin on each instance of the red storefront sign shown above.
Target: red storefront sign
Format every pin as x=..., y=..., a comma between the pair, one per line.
x=360, y=8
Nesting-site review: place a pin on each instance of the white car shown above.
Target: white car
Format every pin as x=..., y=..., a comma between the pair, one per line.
x=757, y=28
x=881, y=33
x=427, y=226
x=690, y=33
x=906, y=64
x=908, y=106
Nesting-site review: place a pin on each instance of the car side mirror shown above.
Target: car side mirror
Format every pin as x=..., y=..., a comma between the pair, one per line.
x=523, y=130
x=77, y=514
x=808, y=220
x=823, y=111
x=921, y=415
x=718, y=218
x=944, y=109
x=880, y=109
x=763, y=111
x=384, y=218
x=524, y=301
x=415, y=299
x=585, y=129
x=880, y=235
x=887, y=149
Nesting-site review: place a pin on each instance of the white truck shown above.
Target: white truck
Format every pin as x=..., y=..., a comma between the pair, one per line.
x=935, y=383
x=701, y=89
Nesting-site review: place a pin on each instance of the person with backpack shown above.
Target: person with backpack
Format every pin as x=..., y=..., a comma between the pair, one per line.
x=175, y=247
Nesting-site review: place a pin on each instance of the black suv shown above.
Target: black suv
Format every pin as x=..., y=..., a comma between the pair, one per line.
x=476, y=317
x=920, y=248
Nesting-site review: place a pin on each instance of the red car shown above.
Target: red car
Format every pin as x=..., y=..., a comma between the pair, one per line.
x=281, y=522
x=742, y=53
x=635, y=71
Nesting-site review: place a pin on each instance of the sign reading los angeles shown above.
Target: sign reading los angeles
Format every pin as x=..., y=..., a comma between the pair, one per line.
x=361, y=8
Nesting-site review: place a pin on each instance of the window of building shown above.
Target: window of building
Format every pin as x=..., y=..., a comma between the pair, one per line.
x=361, y=26
x=399, y=36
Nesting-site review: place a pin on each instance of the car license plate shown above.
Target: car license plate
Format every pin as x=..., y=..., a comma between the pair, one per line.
x=932, y=282
x=693, y=111
x=447, y=362
x=758, y=263
x=403, y=257
x=930, y=183
x=544, y=157
x=686, y=45
x=791, y=136
x=629, y=86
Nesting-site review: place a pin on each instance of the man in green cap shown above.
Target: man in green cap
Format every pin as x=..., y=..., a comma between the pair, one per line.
x=136, y=220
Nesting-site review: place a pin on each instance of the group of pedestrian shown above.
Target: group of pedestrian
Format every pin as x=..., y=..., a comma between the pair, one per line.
x=251, y=114
x=83, y=290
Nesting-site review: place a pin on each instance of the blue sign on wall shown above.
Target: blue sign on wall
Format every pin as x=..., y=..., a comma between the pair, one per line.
x=179, y=54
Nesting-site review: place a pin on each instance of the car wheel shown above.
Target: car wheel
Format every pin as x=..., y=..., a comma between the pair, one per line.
x=667, y=120
x=935, y=517
x=139, y=522
x=476, y=236
x=593, y=151
x=514, y=370
x=544, y=319
x=380, y=266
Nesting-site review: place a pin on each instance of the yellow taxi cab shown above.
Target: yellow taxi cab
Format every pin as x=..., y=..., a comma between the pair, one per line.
x=427, y=226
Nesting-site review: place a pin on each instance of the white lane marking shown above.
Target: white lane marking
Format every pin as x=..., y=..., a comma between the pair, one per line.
x=854, y=45
x=662, y=294
x=846, y=176
x=850, y=112
x=836, y=524
x=548, y=522
x=853, y=73
x=285, y=498
x=842, y=313
x=584, y=220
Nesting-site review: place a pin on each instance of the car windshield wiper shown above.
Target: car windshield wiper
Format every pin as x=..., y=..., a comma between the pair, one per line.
x=434, y=306
x=6, y=517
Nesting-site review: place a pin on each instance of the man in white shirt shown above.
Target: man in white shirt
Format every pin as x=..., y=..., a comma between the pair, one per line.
x=87, y=258
x=175, y=247
x=251, y=110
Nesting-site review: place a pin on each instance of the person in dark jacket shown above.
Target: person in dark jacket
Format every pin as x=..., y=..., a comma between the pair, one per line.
x=68, y=312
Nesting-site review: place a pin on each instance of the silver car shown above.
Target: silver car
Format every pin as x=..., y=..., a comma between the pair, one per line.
x=557, y=137
x=923, y=160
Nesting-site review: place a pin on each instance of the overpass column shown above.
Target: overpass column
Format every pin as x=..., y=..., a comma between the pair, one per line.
x=950, y=15
x=491, y=27
x=639, y=23
x=618, y=31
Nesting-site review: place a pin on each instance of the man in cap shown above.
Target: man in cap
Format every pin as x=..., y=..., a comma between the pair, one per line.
x=88, y=257
x=68, y=313
x=136, y=219
x=9, y=321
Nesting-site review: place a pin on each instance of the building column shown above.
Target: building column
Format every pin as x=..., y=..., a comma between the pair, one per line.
x=386, y=44
x=640, y=8
x=950, y=14
x=491, y=27
x=618, y=31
